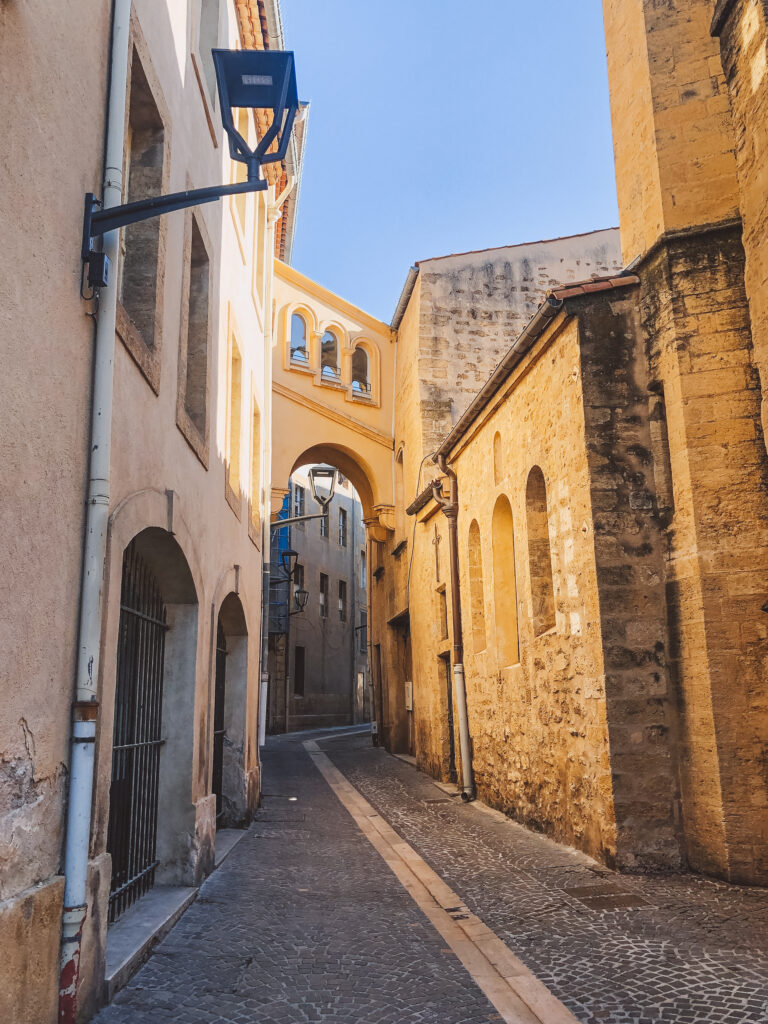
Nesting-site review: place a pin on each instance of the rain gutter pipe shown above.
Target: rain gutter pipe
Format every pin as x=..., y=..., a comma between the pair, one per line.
x=86, y=706
x=273, y=214
x=450, y=507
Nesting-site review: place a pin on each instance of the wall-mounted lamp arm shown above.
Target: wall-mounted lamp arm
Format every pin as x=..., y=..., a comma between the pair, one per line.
x=98, y=221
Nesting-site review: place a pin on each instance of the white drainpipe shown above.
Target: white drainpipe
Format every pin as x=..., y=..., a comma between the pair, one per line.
x=273, y=213
x=85, y=710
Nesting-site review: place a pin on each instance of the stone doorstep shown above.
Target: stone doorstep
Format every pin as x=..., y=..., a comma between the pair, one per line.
x=131, y=939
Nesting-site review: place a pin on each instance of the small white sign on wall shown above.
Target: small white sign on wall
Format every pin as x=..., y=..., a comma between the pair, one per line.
x=408, y=695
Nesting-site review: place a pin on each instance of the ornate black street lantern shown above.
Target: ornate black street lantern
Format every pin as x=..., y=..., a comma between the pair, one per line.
x=257, y=79
x=289, y=558
x=300, y=598
x=320, y=478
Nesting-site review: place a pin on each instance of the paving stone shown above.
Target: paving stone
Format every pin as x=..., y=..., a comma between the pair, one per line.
x=302, y=923
x=694, y=952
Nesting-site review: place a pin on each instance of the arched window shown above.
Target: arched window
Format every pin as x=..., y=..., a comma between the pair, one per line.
x=299, y=350
x=329, y=366
x=539, y=554
x=476, y=596
x=361, y=383
x=498, y=459
x=504, y=583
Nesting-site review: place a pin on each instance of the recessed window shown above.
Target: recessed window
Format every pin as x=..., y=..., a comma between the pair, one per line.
x=209, y=40
x=323, y=596
x=324, y=526
x=235, y=425
x=343, y=600
x=299, y=349
x=299, y=500
x=361, y=381
x=362, y=633
x=539, y=553
x=143, y=178
x=476, y=595
x=297, y=583
x=363, y=570
x=255, y=517
x=198, y=307
x=342, y=527
x=329, y=348
x=241, y=171
x=504, y=583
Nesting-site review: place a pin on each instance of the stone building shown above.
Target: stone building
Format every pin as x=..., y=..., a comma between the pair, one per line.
x=457, y=316
x=187, y=485
x=608, y=486
x=318, y=654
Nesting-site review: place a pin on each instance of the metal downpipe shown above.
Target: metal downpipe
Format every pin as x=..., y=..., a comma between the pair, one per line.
x=85, y=708
x=450, y=507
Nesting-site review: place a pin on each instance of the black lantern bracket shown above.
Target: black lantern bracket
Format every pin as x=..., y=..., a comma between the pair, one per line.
x=256, y=79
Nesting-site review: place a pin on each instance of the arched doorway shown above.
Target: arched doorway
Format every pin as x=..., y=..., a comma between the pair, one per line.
x=228, y=777
x=151, y=813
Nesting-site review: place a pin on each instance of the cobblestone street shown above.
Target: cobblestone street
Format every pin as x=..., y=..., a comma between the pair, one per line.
x=306, y=922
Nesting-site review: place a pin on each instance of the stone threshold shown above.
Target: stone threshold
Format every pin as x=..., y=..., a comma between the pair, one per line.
x=131, y=939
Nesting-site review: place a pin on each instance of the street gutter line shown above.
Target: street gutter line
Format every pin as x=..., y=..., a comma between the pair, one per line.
x=514, y=991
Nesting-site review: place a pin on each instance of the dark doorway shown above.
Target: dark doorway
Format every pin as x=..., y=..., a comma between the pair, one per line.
x=219, y=732
x=298, y=670
x=447, y=674
x=133, y=794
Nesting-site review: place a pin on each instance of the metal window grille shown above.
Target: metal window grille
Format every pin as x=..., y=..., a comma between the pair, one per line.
x=219, y=732
x=323, y=595
x=342, y=600
x=133, y=794
x=342, y=527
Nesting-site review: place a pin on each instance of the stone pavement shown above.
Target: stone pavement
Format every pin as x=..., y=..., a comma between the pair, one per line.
x=305, y=921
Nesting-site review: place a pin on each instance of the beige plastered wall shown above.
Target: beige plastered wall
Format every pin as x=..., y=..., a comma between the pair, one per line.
x=45, y=349
x=204, y=542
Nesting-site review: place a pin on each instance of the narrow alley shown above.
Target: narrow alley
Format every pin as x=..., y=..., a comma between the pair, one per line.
x=365, y=892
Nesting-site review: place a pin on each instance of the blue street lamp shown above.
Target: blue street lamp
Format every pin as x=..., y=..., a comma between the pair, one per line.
x=256, y=79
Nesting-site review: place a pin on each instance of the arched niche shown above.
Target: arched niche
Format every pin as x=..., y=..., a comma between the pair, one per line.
x=505, y=583
x=229, y=715
x=539, y=553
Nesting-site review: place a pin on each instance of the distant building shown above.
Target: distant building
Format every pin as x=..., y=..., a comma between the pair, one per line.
x=318, y=655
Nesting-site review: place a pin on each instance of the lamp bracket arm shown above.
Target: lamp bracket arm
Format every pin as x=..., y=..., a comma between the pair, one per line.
x=99, y=221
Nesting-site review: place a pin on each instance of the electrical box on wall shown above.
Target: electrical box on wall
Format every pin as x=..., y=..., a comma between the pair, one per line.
x=408, y=695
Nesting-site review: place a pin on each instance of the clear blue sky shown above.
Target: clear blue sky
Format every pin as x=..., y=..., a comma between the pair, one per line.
x=440, y=126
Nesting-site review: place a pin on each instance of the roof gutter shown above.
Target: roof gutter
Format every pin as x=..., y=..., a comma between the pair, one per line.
x=544, y=315
x=405, y=298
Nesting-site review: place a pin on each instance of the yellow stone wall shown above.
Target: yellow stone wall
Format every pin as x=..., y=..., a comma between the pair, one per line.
x=672, y=133
x=742, y=27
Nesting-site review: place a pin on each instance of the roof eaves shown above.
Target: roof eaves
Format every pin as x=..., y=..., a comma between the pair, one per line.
x=405, y=297
x=420, y=501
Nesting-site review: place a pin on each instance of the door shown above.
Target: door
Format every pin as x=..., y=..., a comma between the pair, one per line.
x=219, y=732
x=137, y=737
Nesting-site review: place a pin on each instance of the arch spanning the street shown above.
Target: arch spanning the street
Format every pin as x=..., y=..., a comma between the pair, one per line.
x=323, y=418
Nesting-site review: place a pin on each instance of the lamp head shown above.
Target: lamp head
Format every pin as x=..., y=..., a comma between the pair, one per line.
x=322, y=483
x=289, y=557
x=301, y=596
x=257, y=79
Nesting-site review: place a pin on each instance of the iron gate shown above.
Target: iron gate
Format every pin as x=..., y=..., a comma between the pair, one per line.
x=218, y=722
x=133, y=794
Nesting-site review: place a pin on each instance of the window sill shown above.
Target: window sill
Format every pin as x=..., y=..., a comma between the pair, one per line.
x=147, y=359
x=197, y=442
x=234, y=498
